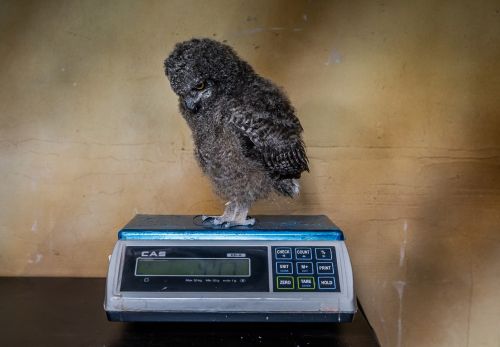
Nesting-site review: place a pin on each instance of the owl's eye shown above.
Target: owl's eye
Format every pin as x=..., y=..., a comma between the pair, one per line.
x=200, y=86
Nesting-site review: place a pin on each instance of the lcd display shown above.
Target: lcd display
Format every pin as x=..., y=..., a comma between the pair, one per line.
x=193, y=267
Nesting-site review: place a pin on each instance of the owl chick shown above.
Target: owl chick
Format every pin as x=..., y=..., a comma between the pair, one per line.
x=247, y=139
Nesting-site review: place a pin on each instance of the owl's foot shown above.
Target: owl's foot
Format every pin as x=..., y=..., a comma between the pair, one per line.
x=227, y=216
x=234, y=215
x=247, y=222
x=215, y=220
x=219, y=221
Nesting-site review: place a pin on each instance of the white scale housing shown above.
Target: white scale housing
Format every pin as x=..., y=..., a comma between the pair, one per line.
x=283, y=269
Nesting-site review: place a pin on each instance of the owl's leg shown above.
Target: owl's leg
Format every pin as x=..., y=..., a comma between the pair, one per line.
x=228, y=215
x=240, y=218
x=235, y=214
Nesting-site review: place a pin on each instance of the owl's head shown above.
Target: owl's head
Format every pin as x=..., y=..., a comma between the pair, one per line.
x=202, y=70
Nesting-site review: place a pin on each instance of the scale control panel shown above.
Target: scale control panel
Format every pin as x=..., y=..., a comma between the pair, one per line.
x=298, y=268
x=305, y=268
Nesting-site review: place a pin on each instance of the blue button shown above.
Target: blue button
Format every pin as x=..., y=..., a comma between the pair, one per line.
x=305, y=268
x=324, y=253
x=324, y=267
x=303, y=253
x=283, y=253
x=327, y=283
x=305, y=283
x=284, y=267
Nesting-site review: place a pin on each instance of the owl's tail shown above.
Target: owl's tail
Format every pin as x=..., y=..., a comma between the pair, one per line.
x=287, y=187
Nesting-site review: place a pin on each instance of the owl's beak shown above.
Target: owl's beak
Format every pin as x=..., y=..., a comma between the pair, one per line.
x=190, y=104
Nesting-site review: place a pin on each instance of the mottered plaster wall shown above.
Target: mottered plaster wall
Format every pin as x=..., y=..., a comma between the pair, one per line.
x=400, y=102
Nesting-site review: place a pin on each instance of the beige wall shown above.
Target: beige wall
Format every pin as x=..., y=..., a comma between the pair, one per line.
x=400, y=105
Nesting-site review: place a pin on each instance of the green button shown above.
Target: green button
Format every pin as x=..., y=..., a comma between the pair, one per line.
x=284, y=282
x=306, y=283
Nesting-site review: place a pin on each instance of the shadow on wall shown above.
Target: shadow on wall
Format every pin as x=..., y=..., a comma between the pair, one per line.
x=455, y=241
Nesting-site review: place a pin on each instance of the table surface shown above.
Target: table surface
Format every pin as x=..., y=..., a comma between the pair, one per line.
x=69, y=312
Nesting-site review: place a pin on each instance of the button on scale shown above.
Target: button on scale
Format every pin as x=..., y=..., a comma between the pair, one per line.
x=294, y=255
x=283, y=253
x=305, y=268
x=323, y=253
x=324, y=267
x=326, y=283
x=284, y=282
x=303, y=253
x=305, y=283
x=284, y=267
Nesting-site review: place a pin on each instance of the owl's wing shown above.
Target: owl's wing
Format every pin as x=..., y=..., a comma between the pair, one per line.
x=275, y=140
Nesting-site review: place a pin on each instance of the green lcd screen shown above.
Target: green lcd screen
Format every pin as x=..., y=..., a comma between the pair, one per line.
x=193, y=267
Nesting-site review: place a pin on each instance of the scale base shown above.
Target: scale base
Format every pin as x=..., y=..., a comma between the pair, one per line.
x=230, y=317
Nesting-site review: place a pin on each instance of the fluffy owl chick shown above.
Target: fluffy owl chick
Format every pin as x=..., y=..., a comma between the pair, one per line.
x=246, y=135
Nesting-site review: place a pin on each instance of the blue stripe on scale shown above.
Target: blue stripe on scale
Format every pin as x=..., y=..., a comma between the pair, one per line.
x=271, y=235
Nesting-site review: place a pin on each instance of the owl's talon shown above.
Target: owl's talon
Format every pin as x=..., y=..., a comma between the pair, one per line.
x=218, y=221
x=249, y=222
x=237, y=223
x=214, y=220
x=223, y=223
x=211, y=219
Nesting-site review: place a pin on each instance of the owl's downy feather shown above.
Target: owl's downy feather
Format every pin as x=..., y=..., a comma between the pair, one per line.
x=247, y=137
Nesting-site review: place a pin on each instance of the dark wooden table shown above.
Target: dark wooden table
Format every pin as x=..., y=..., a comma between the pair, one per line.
x=69, y=312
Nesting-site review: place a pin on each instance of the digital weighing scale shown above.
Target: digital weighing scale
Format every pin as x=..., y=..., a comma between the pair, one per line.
x=178, y=268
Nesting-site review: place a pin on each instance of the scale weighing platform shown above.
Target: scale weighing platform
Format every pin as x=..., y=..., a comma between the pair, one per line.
x=177, y=268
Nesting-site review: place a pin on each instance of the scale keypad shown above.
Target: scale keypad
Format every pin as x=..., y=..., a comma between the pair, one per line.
x=297, y=268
